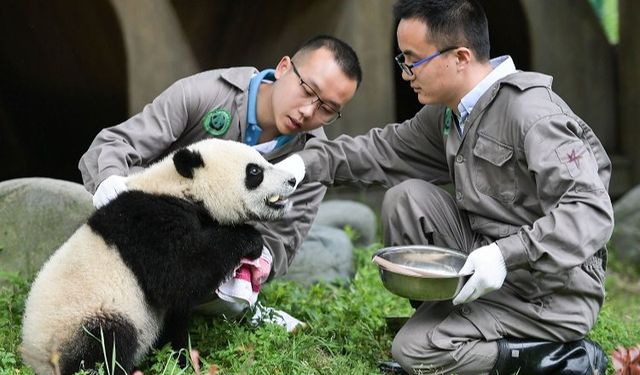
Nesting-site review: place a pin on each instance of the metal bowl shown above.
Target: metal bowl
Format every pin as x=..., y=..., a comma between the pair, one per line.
x=423, y=273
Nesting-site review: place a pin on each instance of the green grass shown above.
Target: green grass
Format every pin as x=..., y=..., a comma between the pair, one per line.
x=346, y=332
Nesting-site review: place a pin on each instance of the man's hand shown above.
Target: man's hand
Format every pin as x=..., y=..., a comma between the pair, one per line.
x=293, y=164
x=108, y=190
x=489, y=272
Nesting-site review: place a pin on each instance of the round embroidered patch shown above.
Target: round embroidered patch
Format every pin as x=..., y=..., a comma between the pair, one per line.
x=447, y=121
x=217, y=122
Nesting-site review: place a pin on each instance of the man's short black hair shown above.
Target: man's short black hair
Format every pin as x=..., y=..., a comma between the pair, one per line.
x=344, y=55
x=459, y=23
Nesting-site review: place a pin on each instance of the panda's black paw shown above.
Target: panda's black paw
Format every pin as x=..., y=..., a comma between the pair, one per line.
x=255, y=252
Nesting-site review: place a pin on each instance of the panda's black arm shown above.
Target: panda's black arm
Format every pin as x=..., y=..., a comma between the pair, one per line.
x=206, y=258
x=217, y=251
x=175, y=249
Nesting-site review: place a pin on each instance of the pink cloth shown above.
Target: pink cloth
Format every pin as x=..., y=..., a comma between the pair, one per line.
x=247, y=280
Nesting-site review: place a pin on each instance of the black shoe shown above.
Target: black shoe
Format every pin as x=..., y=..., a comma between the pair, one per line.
x=529, y=357
x=597, y=357
x=391, y=367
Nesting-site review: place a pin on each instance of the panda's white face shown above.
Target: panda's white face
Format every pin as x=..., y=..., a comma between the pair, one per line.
x=233, y=181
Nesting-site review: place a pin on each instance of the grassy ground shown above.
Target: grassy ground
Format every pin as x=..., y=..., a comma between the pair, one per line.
x=346, y=332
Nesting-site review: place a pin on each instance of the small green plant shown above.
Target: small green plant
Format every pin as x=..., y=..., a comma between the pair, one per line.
x=12, y=299
x=352, y=233
x=110, y=370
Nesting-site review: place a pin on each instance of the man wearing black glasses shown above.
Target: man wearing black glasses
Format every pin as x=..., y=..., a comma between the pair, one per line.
x=276, y=110
x=529, y=205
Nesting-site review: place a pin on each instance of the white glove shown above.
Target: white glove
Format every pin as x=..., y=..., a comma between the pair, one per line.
x=489, y=272
x=293, y=164
x=108, y=190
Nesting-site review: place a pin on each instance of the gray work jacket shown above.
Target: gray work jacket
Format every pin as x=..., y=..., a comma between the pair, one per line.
x=175, y=119
x=527, y=171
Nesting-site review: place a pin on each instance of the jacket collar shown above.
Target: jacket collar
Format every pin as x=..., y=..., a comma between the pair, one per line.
x=239, y=77
x=526, y=80
x=519, y=79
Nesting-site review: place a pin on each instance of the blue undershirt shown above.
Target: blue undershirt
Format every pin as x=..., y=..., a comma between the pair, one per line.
x=254, y=130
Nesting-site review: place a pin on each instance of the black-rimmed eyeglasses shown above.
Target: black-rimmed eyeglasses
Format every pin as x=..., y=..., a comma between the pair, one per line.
x=325, y=112
x=407, y=68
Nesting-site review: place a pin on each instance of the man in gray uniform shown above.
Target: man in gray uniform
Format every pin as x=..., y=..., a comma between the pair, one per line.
x=529, y=204
x=276, y=111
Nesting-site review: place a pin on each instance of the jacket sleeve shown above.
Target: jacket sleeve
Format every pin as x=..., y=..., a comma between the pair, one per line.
x=284, y=237
x=382, y=156
x=133, y=144
x=572, y=190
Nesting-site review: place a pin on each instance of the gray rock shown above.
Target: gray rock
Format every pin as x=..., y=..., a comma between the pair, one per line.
x=626, y=234
x=340, y=213
x=628, y=206
x=325, y=255
x=36, y=216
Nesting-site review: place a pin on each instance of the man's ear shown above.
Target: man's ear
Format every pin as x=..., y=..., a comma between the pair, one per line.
x=283, y=66
x=186, y=161
x=463, y=56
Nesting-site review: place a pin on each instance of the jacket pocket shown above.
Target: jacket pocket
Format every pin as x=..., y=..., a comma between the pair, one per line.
x=494, y=172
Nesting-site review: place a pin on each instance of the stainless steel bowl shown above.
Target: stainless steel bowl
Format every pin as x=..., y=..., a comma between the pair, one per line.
x=423, y=273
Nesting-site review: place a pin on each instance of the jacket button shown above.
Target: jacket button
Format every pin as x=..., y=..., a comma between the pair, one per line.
x=459, y=159
x=465, y=310
x=459, y=195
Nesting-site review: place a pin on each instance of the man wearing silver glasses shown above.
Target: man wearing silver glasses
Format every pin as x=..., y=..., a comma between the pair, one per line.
x=529, y=203
x=275, y=110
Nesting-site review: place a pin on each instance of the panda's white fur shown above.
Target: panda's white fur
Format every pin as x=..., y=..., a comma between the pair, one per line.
x=228, y=199
x=93, y=282
x=81, y=279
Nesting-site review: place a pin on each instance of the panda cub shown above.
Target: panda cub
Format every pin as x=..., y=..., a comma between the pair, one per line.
x=135, y=270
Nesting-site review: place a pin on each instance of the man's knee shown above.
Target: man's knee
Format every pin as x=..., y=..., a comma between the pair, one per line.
x=414, y=357
x=400, y=355
x=407, y=191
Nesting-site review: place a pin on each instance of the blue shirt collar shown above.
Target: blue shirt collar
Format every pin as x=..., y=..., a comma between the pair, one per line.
x=254, y=130
x=254, y=84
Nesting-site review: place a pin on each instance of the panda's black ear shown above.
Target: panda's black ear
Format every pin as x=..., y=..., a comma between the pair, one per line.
x=186, y=161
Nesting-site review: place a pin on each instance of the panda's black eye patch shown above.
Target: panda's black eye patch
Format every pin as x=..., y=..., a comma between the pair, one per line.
x=254, y=176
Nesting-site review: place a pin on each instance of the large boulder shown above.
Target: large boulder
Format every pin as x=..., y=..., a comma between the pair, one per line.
x=325, y=255
x=625, y=240
x=327, y=252
x=342, y=213
x=37, y=215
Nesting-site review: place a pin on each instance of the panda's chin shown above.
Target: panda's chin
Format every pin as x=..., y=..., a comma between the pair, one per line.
x=280, y=204
x=275, y=210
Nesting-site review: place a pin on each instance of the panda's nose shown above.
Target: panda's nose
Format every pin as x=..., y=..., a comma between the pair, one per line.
x=291, y=182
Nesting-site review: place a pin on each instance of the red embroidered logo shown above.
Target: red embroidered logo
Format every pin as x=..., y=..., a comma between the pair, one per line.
x=573, y=158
